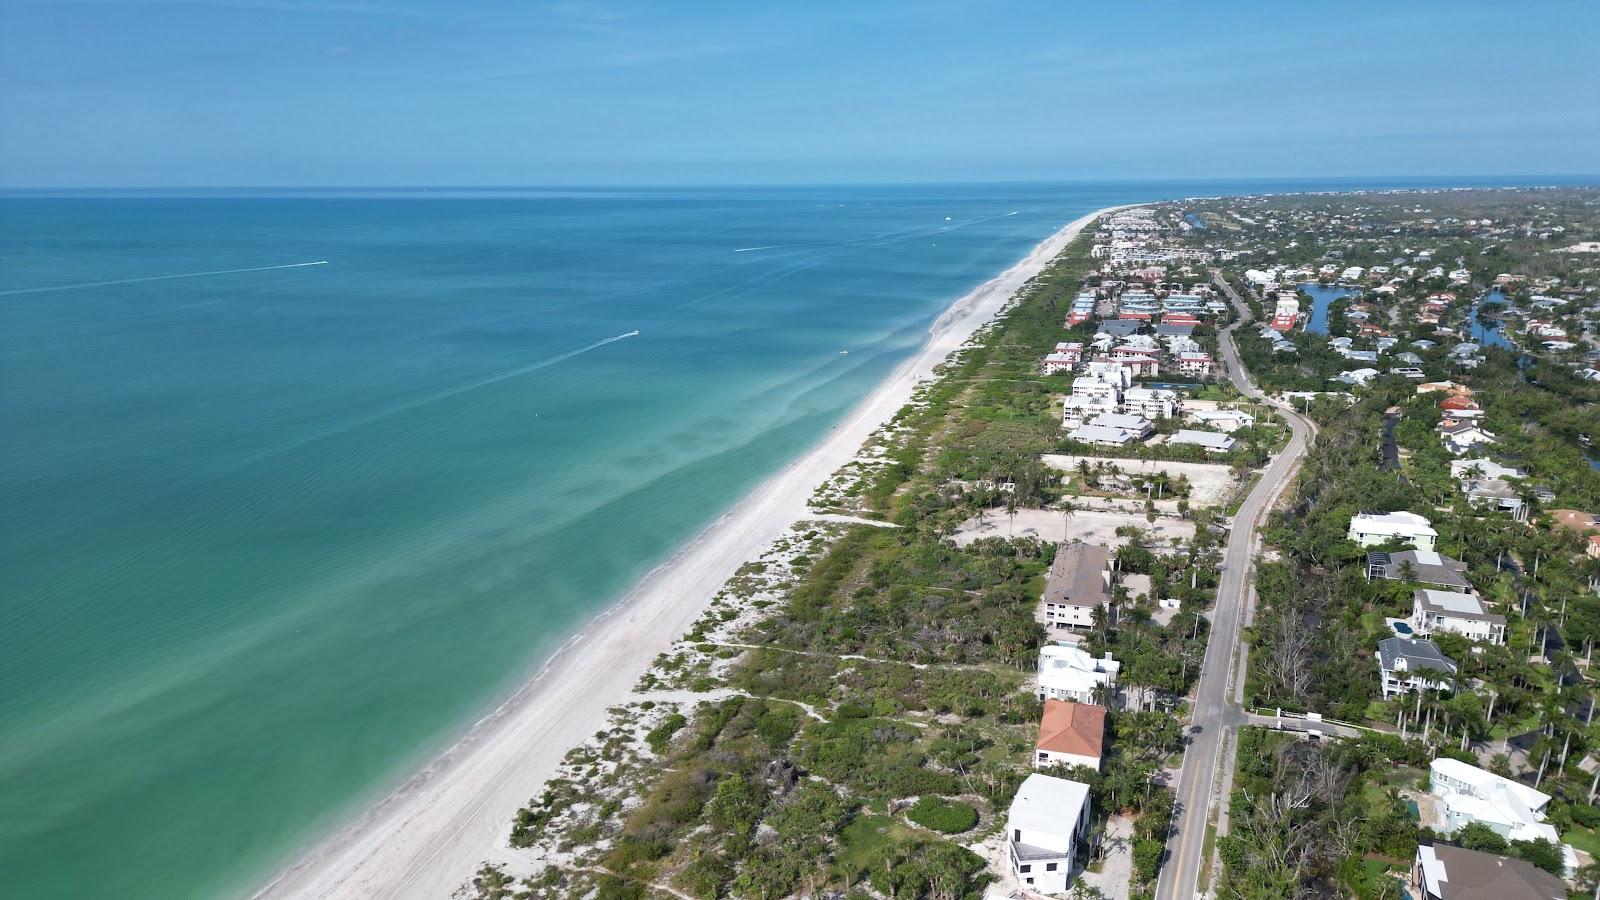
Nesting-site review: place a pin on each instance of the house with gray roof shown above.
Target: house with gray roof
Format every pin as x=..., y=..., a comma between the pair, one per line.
x=1497, y=495
x=1444, y=872
x=1118, y=327
x=1208, y=440
x=1421, y=566
x=1413, y=664
x=1434, y=611
x=1079, y=581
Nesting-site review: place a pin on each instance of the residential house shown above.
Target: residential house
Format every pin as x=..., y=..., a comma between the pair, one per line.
x=1098, y=390
x=1066, y=357
x=1434, y=611
x=1356, y=377
x=1066, y=672
x=1444, y=872
x=1372, y=529
x=1152, y=403
x=1140, y=362
x=1412, y=664
x=1497, y=495
x=1117, y=328
x=1102, y=435
x=1422, y=566
x=1195, y=365
x=1483, y=467
x=1469, y=794
x=1079, y=582
x=1575, y=520
x=1138, y=425
x=1080, y=407
x=1464, y=437
x=1070, y=734
x=1048, y=818
x=1223, y=419
x=1210, y=441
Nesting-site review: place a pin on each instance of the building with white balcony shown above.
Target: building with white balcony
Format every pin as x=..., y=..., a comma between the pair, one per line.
x=1048, y=818
x=1372, y=529
x=1433, y=611
x=1067, y=672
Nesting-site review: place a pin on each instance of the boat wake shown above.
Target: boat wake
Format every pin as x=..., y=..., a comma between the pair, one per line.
x=94, y=284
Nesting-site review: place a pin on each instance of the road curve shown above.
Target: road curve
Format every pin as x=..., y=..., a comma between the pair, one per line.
x=1216, y=712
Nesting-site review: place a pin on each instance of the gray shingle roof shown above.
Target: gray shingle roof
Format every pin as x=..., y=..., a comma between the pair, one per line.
x=1418, y=653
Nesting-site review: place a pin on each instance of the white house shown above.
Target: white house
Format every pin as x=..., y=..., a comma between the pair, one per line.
x=1070, y=734
x=1433, y=611
x=1077, y=408
x=1152, y=403
x=1223, y=419
x=1059, y=362
x=1464, y=437
x=1372, y=529
x=1194, y=364
x=1356, y=377
x=1069, y=673
x=1485, y=469
x=1209, y=440
x=1047, y=819
x=1494, y=494
x=1139, y=425
x=1102, y=435
x=1098, y=390
x=1469, y=794
x=1411, y=664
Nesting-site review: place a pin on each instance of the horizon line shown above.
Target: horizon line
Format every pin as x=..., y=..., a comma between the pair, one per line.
x=642, y=185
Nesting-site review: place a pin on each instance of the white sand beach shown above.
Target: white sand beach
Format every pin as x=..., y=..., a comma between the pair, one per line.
x=429, y=836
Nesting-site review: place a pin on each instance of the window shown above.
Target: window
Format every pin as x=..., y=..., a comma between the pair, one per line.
x=1043, y=757
x=1025, y=867
x=1016, y=834
x=1050, y=867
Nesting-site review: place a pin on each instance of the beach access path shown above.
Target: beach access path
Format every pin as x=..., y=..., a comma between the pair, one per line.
x=1216, y=714
x=429, y=836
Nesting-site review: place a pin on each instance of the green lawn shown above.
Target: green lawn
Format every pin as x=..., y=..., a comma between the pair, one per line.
x=865, y=836
x=1585, y=839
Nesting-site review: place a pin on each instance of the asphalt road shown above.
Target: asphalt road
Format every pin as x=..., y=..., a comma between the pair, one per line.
x=1216, y=711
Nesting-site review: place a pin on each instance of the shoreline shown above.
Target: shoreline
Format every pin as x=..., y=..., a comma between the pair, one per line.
x=428, y=836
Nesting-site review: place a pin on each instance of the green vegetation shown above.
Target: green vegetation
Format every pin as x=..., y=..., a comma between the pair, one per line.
x=1314, y=819
x=892, y=668
x=942, y=815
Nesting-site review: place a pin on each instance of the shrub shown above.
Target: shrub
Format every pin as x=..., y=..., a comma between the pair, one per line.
x=1147, y=858
x=943, y=815
x=661, y=734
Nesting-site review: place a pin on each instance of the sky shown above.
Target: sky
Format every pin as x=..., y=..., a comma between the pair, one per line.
x=134, y=93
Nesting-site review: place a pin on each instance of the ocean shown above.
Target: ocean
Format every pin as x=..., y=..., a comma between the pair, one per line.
x=276, y=533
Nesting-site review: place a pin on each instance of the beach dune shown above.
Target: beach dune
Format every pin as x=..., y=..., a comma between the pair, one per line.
x=428, y=836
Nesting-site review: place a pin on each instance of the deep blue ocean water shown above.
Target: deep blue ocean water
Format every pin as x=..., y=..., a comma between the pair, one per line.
x=276, y=536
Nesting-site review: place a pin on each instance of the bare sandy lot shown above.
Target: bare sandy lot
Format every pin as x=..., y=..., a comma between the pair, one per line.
x=1091, y=526
x=1210, y=483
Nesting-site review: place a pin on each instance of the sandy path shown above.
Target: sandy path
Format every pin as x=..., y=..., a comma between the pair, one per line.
x=425, y=839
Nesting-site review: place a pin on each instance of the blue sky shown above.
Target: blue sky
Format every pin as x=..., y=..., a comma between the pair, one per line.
x=423, y=92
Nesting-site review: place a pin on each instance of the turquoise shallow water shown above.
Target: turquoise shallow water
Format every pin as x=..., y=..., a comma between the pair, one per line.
x=275, y=536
